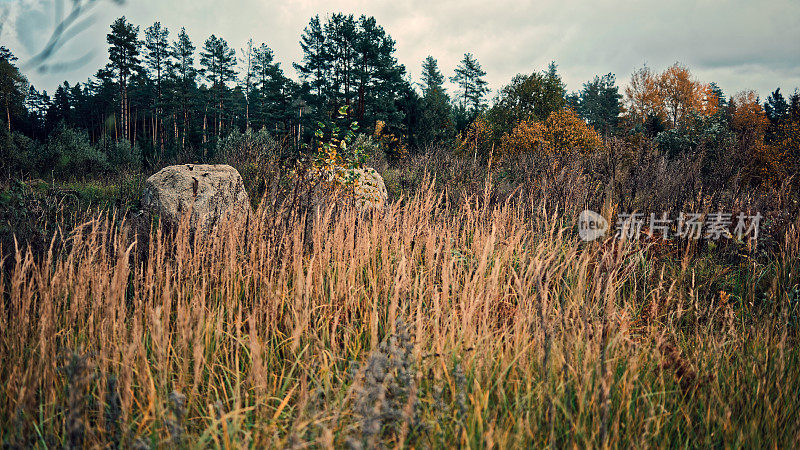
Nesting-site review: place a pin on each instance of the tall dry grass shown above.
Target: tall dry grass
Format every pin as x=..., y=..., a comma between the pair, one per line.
x=482, y=324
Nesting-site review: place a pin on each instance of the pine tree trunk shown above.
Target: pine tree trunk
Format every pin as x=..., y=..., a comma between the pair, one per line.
x=159, y=122
x=153, y=127
x=205, y=122
x=361, y=102
x=132, y=139
x=121, y=107
x=161, y=133
x=175, y=127
x=8, y=116
x=185, y=127
x=126, y=114
x=219, y=116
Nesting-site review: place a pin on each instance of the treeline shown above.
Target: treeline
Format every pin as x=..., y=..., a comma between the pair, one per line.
x=161, y=98
x=166, y=97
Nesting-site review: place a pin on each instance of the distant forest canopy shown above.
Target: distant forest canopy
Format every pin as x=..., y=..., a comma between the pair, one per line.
x=161, y=97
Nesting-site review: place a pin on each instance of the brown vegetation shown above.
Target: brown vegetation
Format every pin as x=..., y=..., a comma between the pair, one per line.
x=482, y=322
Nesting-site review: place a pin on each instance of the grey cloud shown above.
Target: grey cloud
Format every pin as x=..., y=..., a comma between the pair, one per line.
x=739, y=44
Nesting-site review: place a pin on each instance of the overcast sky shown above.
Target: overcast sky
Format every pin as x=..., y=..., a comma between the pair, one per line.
x=738, y=44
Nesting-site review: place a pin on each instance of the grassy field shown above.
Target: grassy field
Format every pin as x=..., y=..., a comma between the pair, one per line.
x=474, y=324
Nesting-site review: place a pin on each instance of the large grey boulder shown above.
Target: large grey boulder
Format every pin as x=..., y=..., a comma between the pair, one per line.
x=207, y=192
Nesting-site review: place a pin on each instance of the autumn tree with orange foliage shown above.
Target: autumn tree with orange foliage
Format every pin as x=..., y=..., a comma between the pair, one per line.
x=477, y=138
x=747, y=118
x=783, y=131
x=563, y=130
x=643, y=97
x=766, y=163
x=681, y=94
x=671, y=95
x=529, y=136
x=789, y=140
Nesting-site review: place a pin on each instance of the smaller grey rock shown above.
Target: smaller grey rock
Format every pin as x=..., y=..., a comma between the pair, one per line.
x=362, y=186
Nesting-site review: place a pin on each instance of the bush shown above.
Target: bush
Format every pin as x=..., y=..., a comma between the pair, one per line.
x=18, y=153
x=239, y=148
x=124, y=156
x=710, y=132
x=375, y=154
x=68, y=152
x=257, y=156
x=567, y=131
x=562, y=131
x=526, y=138
x=477, y=139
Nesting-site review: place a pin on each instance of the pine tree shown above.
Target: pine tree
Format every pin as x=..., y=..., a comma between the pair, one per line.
x=719, y=94
x=379, y=77
x=340, y=31
x=469, y=77
x=61, y=108
x=316, y=63
x=599, y=103
x=6, y=55
x=246, y=82
x=183, y=73
x=217, y=60
x=432, y=77
x=156, y=43
x=270, y=84
x=81, y=109
x=794, y=104
x=36, y=103
x=13, y=85
x=776, y=107
x=123, y=55
x=555, y=91
x=436, y=122
x=105, y=90
x=350, y=61
x=778, y=111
